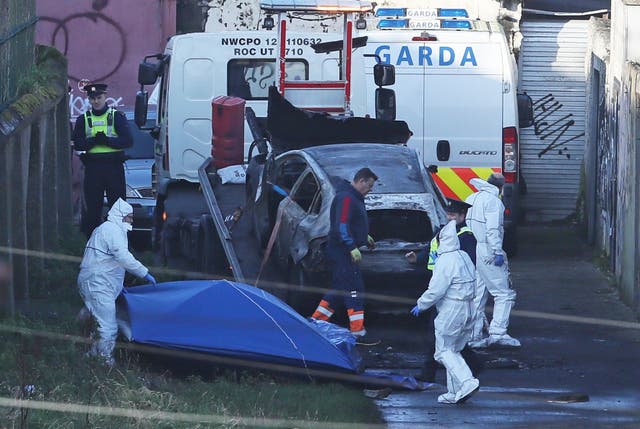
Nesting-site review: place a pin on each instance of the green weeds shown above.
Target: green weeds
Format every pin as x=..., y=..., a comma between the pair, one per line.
x=43, y=364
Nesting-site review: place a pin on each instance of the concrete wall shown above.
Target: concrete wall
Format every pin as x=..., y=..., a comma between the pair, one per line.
x=595, y=132
x=613, y=218
x=35, y=172
x=104, y=41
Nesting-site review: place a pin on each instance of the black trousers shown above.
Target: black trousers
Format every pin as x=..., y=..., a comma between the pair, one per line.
x=428, y=372
x=101, y=176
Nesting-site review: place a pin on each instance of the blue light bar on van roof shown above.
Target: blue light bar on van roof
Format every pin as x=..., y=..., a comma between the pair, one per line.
x=455, y=24
x=391, y=11
x=422, y=24
x=393, y=23
x=424, y=13
x=453, y=13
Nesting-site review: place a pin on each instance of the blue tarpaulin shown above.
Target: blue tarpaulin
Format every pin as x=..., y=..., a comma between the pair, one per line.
x=232, y=320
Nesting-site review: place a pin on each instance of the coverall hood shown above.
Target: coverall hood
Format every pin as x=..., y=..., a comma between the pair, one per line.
x=483, y=185
x=117, y=213
x=448, y=240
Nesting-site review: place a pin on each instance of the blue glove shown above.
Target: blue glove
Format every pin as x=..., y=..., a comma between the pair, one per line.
x=415, y=311
x=498, y=260
x=150, y=279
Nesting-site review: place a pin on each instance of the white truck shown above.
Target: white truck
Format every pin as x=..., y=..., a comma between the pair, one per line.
x=456, y=85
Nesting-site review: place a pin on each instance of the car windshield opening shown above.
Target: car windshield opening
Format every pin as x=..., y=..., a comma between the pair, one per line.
x=404, y=225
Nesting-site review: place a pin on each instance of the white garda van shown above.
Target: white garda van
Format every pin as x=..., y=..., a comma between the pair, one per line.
x=456, y=87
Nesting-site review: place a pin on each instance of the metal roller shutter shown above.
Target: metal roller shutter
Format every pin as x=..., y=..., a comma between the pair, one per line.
x=552, y=62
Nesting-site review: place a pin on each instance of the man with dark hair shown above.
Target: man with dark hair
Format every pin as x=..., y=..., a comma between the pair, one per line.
x=348, y=231
x=456, y=210
x=102, y=133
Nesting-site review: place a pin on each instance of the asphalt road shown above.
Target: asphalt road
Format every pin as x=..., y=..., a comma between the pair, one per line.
x=580, y=345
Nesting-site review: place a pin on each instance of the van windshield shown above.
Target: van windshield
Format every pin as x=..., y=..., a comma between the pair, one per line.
x=251, y=78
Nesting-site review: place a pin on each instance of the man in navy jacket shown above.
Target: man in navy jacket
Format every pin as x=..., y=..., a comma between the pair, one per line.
x=348, y=231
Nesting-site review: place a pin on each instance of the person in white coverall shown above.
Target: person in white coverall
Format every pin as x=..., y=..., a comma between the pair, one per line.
x=485, y=218
x=451, y=289
x=106, y=257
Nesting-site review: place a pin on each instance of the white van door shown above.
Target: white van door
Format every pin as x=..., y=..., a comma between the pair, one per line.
x=463, y=120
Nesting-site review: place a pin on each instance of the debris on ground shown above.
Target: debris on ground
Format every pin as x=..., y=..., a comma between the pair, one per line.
x=377, y=393
x=569, y=399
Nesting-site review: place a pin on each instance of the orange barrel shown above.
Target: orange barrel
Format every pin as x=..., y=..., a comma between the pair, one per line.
x=227, y=126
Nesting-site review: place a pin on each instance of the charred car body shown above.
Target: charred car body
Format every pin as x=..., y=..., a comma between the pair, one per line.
x=292, y=194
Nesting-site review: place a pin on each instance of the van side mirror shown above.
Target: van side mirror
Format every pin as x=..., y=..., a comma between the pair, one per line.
x=140, y=112
x=385, y=104
x=148, y=73
x=384, y=74
x=525, y=110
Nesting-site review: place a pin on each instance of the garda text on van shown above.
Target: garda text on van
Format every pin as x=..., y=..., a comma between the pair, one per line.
x=436, y=56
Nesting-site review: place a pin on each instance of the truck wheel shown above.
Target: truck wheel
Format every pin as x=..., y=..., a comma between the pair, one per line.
x=211, y=257
x=156, y=225
x=299, y=297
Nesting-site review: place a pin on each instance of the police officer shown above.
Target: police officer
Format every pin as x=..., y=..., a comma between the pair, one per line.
x=102, y=133
x=456, y=210
x=348, y=231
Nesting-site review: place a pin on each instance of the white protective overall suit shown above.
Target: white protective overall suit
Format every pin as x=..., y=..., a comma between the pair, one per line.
x=451, y=290
x=485, y=219
x=106, y=257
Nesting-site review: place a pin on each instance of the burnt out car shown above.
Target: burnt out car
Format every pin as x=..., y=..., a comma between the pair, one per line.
x=293, y=196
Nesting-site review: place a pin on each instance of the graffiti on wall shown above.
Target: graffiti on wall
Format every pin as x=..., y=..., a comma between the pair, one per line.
x=62, y=32
x=549, y=123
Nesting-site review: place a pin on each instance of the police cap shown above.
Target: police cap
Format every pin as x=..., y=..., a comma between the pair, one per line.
x=456, y=206
x=95, y=89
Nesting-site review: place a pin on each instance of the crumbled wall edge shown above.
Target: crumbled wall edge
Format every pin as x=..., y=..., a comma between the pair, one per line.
x=23, y=111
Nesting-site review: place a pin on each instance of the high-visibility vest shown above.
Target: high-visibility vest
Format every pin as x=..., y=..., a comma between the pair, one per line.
x=94, y=124
x=433, y=248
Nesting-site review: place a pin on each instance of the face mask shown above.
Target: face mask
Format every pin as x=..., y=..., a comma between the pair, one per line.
x=126, y=225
